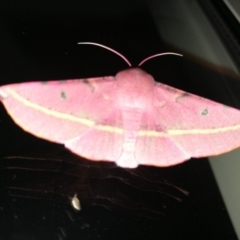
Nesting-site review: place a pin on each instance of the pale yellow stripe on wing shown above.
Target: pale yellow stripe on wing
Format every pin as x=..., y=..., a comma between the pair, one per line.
x=56, y=114
x=47, y=111
x=188, y=131
x=108, y=128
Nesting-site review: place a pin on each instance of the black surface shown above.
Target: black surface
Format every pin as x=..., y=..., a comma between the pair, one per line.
x=38, y=41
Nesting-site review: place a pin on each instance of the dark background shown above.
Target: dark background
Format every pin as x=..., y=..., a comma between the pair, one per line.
x=38, y=41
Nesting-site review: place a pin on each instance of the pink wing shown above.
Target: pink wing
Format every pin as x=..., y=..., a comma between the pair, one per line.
x=72, y=112
x=182, y=125
x=83, y=115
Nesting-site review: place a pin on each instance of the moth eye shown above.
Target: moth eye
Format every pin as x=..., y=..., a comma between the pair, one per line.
x=204, y=112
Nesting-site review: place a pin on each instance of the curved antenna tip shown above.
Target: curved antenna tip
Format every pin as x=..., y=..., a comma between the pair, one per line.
x=108, y=48
x=157, y=55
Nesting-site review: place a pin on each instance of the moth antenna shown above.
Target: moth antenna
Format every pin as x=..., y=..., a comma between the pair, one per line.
x=157, y=55
x=110, y=49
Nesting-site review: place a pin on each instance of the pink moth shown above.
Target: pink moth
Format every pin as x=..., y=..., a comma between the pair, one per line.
x=129, y=119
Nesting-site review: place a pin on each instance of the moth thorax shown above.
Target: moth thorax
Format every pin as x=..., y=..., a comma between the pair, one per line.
x=134, y=88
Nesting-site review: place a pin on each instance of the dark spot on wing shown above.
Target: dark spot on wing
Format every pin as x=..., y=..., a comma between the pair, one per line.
x=225, y=106
x=170, y=89
x=182, y=95
x=62, y=81
x=185, y=94
x=204, y=112
x=44, y=82
x=89, y=84
x=85, y=80
x=63, y=95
